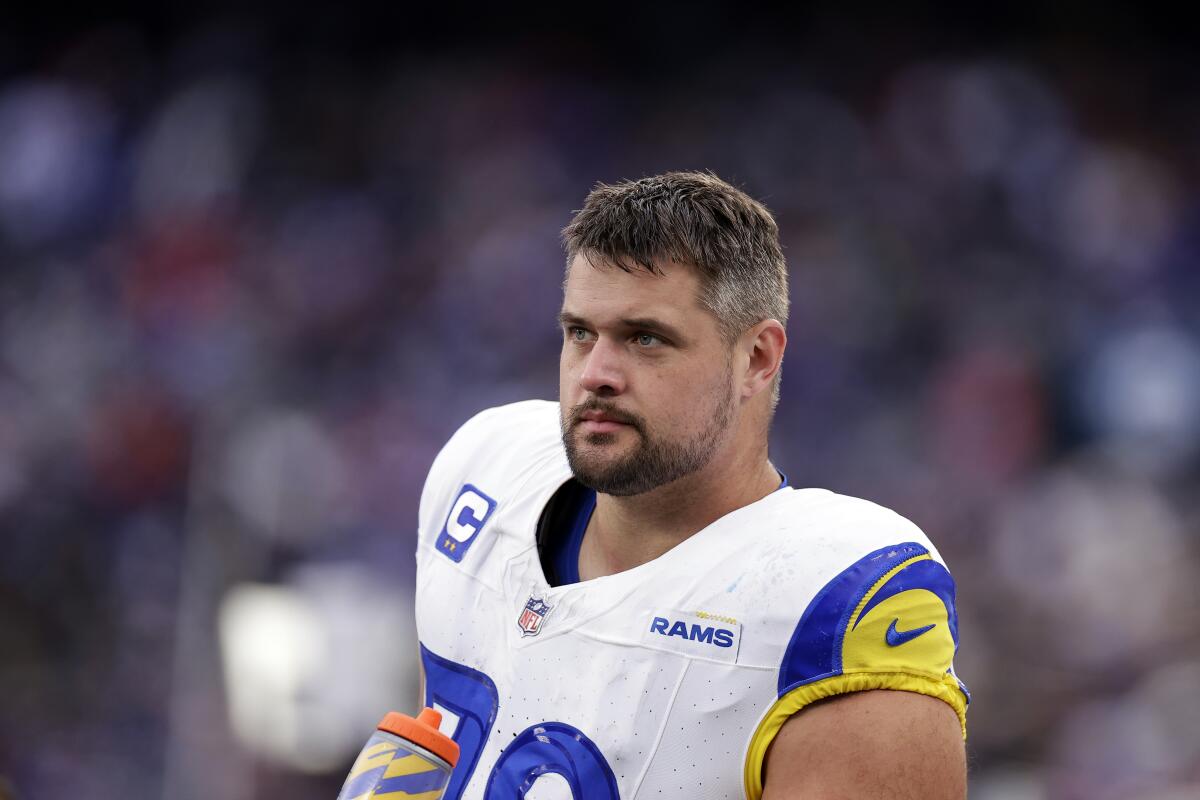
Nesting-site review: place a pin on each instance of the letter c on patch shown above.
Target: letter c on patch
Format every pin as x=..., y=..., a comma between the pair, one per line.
x=466, y=519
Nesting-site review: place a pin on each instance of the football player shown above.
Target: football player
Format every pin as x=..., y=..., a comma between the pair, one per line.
x=620, y=596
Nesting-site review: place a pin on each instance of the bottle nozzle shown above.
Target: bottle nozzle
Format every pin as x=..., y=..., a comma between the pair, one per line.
x=430, y=717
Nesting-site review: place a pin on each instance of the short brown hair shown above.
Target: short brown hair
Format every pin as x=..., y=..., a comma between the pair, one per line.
x=693, y=218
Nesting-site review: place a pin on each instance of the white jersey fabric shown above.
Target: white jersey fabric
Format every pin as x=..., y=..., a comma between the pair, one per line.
x=669, y=679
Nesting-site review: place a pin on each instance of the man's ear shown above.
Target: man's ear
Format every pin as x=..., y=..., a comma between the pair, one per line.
x=763, y=345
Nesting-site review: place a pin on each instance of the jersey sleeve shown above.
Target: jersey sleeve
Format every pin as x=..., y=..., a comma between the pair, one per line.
x=886, y=621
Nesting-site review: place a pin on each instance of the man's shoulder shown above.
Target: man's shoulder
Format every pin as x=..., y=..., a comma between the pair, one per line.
x=822, y=522
x=805, y=544
x=792, y=542
x=508, y=431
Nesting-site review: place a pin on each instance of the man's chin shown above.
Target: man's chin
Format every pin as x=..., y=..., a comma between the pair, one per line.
x=595, y=468
x=599, y=462
x=602, y=482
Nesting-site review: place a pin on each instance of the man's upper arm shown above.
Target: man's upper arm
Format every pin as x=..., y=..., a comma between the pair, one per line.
x=878, y=744
x=879, y=640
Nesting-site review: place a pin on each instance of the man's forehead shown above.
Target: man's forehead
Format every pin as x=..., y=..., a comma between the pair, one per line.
x=595, y=281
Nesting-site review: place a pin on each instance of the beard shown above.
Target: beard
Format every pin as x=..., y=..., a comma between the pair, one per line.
x=653, y=461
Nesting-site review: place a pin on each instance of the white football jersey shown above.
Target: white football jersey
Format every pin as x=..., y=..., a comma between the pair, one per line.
x=672, y=678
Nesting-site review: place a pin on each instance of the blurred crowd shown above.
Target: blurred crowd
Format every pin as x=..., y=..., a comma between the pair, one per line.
x=247, y=291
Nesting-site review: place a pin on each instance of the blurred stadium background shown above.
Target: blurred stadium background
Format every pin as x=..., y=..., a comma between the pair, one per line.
x=255, y=269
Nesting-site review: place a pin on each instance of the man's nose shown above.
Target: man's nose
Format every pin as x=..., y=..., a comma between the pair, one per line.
x=603, y=373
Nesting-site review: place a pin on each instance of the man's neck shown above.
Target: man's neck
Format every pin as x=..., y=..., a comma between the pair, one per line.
x=625, y=532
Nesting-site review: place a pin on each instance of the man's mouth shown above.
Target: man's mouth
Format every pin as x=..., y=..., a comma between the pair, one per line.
x=593, y=421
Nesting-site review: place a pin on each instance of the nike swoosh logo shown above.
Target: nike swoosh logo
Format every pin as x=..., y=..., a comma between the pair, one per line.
x=896, y=638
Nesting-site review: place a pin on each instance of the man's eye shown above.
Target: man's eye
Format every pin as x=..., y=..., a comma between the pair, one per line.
x=577, y=334
x=647, y=339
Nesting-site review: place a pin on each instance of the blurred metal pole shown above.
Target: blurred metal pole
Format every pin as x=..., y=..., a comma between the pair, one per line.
x=203, y=760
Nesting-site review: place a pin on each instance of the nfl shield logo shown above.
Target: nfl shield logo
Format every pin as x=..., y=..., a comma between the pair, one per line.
x=530, y=621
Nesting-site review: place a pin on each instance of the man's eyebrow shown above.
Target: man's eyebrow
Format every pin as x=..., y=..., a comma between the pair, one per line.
x=654, y=326
x=567, y=319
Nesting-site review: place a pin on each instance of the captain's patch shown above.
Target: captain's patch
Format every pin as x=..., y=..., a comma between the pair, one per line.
x=466, y=519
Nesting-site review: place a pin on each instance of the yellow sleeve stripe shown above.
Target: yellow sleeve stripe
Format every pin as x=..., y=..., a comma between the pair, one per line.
x=887, y=576
x=945, y=690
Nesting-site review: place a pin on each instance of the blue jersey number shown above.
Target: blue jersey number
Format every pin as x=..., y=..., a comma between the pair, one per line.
x=549, y=747
x=552, y=747
x=472, y=697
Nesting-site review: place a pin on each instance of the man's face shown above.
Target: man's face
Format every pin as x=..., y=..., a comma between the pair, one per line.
x=645, y=379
